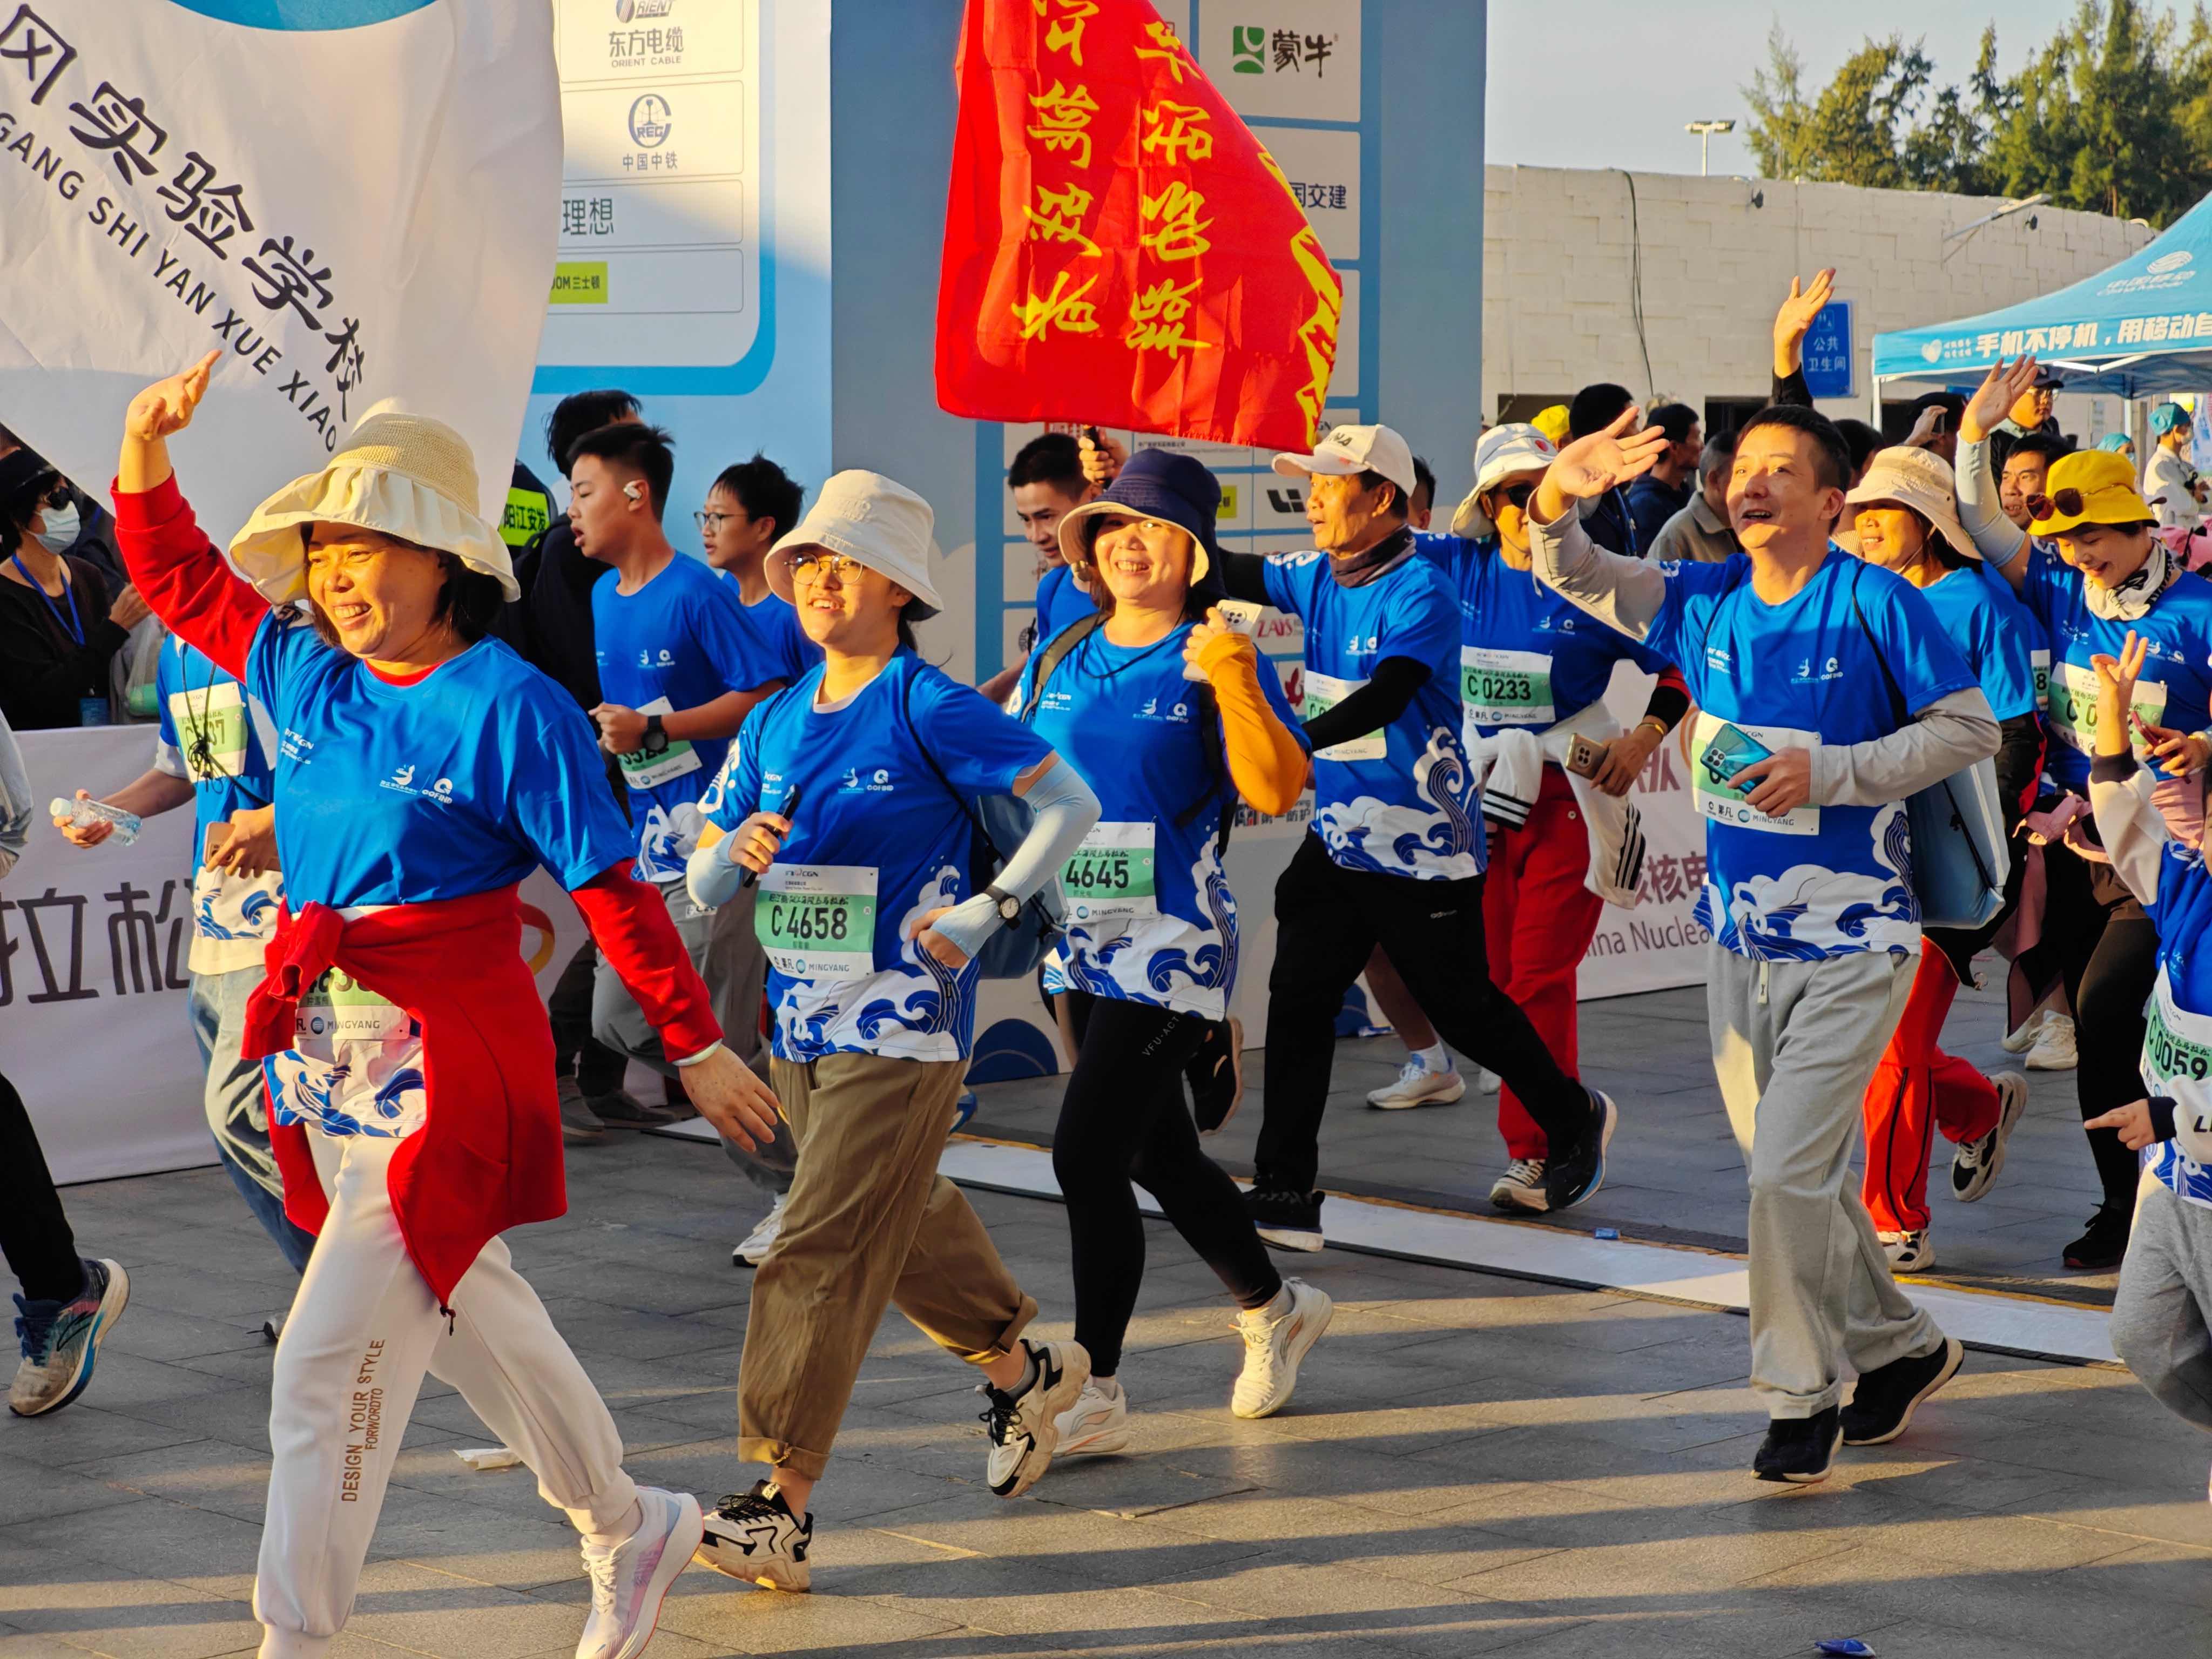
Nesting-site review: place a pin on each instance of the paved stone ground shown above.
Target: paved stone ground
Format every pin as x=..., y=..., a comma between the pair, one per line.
x=1472, y=1465
x=1674, y=1174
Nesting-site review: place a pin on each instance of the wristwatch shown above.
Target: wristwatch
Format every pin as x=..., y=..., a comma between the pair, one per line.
x=656, y=739
x=1010, y=908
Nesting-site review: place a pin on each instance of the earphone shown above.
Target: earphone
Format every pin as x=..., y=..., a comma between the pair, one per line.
x=632, y=489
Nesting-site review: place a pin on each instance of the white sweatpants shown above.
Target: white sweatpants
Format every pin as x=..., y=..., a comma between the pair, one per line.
x=362, y=1331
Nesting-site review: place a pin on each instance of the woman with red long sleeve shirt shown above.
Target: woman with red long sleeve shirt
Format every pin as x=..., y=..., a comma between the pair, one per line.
x=423, y=771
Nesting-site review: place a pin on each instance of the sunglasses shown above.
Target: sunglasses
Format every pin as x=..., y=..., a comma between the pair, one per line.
x=2068, y=502
x=1518, y=494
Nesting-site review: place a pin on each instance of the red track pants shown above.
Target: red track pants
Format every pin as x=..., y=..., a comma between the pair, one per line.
x=1917, y=1088
x=1538, y=919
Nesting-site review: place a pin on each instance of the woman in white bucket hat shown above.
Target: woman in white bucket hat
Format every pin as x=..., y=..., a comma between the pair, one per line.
x=847, y=795
x=425, y=771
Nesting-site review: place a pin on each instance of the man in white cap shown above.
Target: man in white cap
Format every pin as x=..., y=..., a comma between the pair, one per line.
x=1396, y=854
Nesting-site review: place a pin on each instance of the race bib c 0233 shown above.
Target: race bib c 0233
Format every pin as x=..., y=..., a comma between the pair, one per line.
x=1323, y=693
x=818, y=921
x=1505, y=687
x=1112, y=877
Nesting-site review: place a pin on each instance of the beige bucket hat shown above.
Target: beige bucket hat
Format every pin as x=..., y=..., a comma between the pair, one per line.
x=1922, y=480
x=401, y=475
x=876, y=521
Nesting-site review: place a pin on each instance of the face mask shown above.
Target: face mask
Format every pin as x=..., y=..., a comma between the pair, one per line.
x=61, y=528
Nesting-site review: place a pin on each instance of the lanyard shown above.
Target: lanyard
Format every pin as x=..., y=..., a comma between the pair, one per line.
x=72, y=623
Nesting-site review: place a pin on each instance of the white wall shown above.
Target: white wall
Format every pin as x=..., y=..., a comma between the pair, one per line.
x=1557, y=258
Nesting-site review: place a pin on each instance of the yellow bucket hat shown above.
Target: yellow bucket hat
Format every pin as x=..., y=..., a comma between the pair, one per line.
x=400, y=475
x=2090, y=486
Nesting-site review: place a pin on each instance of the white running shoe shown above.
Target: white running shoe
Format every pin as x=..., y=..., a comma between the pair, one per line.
x=1024, y=1428
x=2021, y=1040
x=1522, y=1186
x=1908, y=1253
x=753, y=1250
x=1418, y=1085
x=1098, y=1424
x=753, y=1535
x=2054, y=1049
x=1275, y=1345
x=1487, y=1082
x=629, y=1580
x=1975, y=1165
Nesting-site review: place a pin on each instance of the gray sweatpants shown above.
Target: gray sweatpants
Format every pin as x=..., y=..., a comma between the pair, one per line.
x=730, y=959
x=1794, y=1044
x=2158, y=1324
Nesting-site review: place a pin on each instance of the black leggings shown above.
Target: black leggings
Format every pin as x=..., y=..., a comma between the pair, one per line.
x=34, y=1233
x=1123, y=1121
x=2099, y=940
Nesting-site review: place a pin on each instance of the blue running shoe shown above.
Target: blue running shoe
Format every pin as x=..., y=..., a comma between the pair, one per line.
x=963, y=1110
x=61, y=1339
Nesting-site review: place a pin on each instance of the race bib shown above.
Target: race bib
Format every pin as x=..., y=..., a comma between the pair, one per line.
x=1505, y=687
x=643, y=771
x=338, y=1010
x=1111, y=877
x=1323, y=693
x=2177, y=1057
x=818, y=921
x=210, y=725
x=2038, y=661
x=2074, y=690
x=1722, y=804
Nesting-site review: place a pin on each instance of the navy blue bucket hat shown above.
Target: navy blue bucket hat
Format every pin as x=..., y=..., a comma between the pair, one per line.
x=1156, y=483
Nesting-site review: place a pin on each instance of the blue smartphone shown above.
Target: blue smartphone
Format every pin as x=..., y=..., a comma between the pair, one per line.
x=1731, y=750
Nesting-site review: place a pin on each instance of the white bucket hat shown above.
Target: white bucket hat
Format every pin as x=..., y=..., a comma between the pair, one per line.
x=1349, y=449
x=1922, y=480
x=876, y=521
x=1503, y=452
x=401, y=475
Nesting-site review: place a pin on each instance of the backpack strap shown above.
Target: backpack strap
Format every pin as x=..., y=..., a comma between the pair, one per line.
x=975, y=822
x=1053, y=655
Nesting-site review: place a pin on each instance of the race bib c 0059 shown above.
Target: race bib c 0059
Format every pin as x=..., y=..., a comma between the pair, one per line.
x=818, y=921
x=1111, y=878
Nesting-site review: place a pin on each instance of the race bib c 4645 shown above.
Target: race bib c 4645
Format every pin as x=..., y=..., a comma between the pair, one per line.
x=1111, y=877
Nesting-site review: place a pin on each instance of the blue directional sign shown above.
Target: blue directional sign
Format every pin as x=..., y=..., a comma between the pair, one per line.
x=1830, y=360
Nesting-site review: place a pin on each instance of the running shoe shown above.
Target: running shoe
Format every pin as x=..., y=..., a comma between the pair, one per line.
x=1521, y=1186
x=2054, y=1049
x=753, y=1535
x=2021, y=1040
x=962, y=1110
x=629, y=1580
x=1909, y=1252
x=1487, y=1082
x=1098, y=1424
x=2104, y=1242
x=61, y=1339
x=1883, y=1402
x=1274, y=1346
x=580, y=1125
x=1023, y=1428
x=1976, y=1165
x=1418, y=1083
x=623, y=1110
x=1800, y=1449
x=1289, y=1221
x=1216, y=1074
x=753, y=1249
x=1569, y=1179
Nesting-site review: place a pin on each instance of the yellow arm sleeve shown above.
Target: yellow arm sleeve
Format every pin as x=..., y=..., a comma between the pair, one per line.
x=1267, y=762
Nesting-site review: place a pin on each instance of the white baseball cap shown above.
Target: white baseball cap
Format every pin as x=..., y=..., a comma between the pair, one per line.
x=1349, y=449
x=1504, y=452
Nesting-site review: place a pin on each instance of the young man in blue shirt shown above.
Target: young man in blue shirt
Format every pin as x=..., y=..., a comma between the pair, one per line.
x=1837, y=679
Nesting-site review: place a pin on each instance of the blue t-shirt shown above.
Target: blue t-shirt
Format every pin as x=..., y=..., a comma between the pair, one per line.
x=783, y=642
x=1402, y=801
x=1820, y=881
x=2176, y=686
x=1993, y=634
x=876, y=841
x=1150, y=915
x=2176, y=1051
x=1061, y=599
x=2031, y=629
x=682, y=639
x=220, y=740
x=467, y=781
x=1527, y=657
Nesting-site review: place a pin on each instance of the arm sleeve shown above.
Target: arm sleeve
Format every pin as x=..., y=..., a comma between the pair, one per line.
x=1389, y=690
x=630, y=925
x=1245, y=577
x=1066, y=809
x=1267, y=756
x=1997, y=537
x=177, y=568
x=710, y=875
x=1792, y=388
x=1626, y=594
x=1947, y=736
x=1670, y=698
x=2020, y=761
x=2132, y=830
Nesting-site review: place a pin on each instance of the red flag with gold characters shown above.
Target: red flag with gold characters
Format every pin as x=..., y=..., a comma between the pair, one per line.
x=1118, y=247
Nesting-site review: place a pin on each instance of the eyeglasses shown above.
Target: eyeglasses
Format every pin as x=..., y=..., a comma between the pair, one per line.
x=712, y=523
x=818, y=567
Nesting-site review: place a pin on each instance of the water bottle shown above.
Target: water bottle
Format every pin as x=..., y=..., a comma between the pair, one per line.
x=83, y=814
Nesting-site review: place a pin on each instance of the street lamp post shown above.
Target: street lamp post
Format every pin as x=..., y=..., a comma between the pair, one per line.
x=1706, y=130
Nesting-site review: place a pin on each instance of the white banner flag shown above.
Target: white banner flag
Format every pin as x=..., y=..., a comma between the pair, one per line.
x=354, y=200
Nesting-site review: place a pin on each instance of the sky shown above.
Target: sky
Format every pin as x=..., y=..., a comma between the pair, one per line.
x=1645, y=69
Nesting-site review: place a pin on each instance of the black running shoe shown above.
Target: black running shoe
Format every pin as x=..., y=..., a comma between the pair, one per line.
x=753, y=1535
x=1802, y=1449
x=1289, y=1221
x=2105, y=1241
x=623, y=1110
x=1886, y=1398
x=1571, y=1177
x=1216, y=1075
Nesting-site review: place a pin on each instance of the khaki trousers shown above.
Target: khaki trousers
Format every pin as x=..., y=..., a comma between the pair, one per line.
x=870, y=1222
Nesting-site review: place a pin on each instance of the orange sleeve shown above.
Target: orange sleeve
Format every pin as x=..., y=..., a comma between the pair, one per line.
x=1267, y=761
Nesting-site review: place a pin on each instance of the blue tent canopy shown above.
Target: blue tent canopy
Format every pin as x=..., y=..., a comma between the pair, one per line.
x=2143, y=327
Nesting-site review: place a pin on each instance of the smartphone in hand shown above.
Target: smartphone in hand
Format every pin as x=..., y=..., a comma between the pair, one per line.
x=1584, y=755
x=1731, y=750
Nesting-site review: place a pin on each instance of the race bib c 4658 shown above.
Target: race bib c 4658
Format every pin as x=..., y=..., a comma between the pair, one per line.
x=644, y=771
x=1111, y=877
x=210, y=726
x=1323, y=693
x=818, y=921
x=339, y=1010
x=1505, y=687
x=2074, y=707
